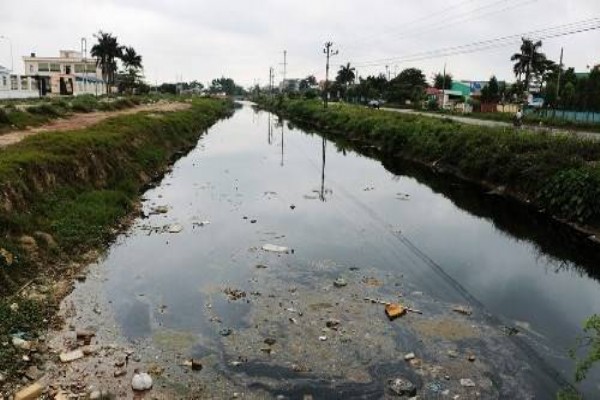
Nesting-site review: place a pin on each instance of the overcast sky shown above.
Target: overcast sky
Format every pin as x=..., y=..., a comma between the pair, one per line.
x=199, y=39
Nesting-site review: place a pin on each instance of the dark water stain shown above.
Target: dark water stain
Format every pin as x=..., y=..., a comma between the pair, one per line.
x=135, y=320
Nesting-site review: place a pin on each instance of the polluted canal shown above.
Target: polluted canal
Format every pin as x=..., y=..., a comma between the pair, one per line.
x=265, y=259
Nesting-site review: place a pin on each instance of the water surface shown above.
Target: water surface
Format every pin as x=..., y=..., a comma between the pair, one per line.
x=258, y=180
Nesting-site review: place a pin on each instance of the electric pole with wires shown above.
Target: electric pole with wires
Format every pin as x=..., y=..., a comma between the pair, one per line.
x=270, y=81
x=283, y=83
x=329, y=53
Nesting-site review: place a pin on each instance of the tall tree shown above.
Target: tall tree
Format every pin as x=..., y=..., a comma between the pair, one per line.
x=440, y=83
x=345, y=75
x=106, y=52
x=491, y=92
x=225, y=85
x=132, y=62
x=529, y=61
x=131, y=59
x=307, y=82
x=409, y=85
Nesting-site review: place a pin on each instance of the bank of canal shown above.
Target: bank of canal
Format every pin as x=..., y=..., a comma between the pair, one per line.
x=269, y=324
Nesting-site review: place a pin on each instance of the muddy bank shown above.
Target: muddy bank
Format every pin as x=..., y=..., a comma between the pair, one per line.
x=292, y=333
x=65, y=197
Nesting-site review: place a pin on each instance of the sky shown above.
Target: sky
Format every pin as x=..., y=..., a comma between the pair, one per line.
x=201, y=40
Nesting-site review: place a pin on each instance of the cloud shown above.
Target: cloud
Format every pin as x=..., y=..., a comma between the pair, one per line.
x=242, y=39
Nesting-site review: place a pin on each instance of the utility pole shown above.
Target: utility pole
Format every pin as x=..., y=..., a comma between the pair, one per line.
x=270, y=81
x=444, y=88
x=12, y=61
x=387, y=72
x=284, y=70
x=329, y=53
x=84, y=54
x=322, y=194
x=560, y=66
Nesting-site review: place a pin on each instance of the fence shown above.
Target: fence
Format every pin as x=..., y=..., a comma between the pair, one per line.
x=577, y=116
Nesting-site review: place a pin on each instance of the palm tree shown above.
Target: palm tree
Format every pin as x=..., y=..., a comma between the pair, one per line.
x=546, y=71
x=529, y=61
x=131, y=59
x=106, y=51
x=346, y=74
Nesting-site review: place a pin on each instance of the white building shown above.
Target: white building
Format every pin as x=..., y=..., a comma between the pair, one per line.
x=290, y=85
x=66, y=75
x=14, y=86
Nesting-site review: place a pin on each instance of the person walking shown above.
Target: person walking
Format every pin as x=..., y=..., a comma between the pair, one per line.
x=518, y=120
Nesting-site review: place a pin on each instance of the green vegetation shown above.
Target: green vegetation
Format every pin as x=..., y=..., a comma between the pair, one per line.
x=227, y=86
x=22, y=318
x=68, y=191
x=559, y=174
x=591, y=342
x=76, y=185
x=107, y=51
x=442, y=81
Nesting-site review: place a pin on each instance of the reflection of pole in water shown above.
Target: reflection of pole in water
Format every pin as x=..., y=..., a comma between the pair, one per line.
x=322, y=196
x=282, y=143
x=269, y=131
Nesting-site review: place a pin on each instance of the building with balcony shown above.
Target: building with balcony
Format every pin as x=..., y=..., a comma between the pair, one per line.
x=69, y=74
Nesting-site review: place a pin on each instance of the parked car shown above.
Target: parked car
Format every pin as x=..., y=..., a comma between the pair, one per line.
x=374, y=104
x=536, y=102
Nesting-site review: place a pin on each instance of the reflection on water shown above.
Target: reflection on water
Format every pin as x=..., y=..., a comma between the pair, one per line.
x=525, y=270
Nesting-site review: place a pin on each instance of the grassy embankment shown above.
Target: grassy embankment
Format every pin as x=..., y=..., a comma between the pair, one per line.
x=559, y=174
x=63, y=193
x=23, y=113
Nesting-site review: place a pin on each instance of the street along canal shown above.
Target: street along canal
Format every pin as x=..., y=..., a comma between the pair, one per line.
x=192, y=279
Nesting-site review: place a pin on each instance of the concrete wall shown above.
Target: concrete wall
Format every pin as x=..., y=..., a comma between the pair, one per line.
x=507, y=108
x=18, y=94
x=17, y=87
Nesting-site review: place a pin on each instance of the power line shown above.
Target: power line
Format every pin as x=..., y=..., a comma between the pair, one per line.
x=465, y=16
x=420, y=19
x=547, y=33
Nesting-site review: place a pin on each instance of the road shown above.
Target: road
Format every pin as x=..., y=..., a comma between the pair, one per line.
x=496, y=124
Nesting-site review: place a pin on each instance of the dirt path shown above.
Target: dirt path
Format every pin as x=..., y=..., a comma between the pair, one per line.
x=84, y=120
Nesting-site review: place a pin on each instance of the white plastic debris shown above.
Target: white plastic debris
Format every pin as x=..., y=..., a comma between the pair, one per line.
x=141, y=381
x=161, y=209
x=175, y=228
x=20, y=343
x=273, y=248
x=71, y=356
x=467, y=382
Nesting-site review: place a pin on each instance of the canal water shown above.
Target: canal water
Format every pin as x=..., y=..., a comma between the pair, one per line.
x=385, y=231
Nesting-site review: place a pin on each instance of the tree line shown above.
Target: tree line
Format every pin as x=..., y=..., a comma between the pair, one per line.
x=107, y=51
x=535, y=73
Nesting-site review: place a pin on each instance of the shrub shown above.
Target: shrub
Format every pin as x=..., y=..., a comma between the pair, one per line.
x=44, y=109
x=4, y=120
